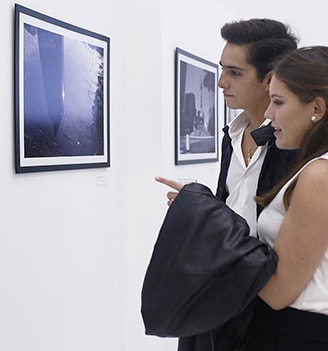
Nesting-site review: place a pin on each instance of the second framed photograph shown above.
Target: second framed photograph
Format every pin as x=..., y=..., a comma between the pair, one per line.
x=196, y=109
x=61, y=94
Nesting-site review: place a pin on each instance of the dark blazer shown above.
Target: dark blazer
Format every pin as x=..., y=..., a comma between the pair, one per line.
x=277, y=163
x=275, y=166
x=217, y=331
x=204, y=271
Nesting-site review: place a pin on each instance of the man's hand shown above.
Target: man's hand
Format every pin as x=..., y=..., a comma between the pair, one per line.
x=171, y=195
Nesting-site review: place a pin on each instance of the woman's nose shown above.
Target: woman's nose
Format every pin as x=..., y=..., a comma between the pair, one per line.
x=268, y=113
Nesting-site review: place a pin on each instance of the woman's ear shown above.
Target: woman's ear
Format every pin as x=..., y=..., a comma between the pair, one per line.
x=320, y=108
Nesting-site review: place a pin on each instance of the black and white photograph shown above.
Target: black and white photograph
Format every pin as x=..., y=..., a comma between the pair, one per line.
x=196, y=112
x=61, y=94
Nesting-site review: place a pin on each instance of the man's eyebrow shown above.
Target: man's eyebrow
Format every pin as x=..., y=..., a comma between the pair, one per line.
x=231, y=66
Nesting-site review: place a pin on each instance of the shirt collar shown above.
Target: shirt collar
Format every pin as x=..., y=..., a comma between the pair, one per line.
x=238, y=124
x=261, y=135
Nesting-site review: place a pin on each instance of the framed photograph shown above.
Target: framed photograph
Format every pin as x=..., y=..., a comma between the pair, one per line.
x=230, y=114
x=61, y=95
x=196, y=109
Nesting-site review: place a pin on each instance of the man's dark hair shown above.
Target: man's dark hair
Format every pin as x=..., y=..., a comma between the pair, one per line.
x=267, y=41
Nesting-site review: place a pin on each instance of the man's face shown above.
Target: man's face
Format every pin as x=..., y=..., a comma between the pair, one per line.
x=238, y=79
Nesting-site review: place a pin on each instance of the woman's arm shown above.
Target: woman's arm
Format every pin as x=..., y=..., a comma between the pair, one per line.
x=302, y=239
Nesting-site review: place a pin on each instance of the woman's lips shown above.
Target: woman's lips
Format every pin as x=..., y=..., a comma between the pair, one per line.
x=276, y=131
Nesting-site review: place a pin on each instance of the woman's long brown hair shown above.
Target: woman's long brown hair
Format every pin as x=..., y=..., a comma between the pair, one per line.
x=305, y=73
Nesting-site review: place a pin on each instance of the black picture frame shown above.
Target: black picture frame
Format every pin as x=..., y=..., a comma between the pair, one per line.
x=61, y=80
x=196, y=109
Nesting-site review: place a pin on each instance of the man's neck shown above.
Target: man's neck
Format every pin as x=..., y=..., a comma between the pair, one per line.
x=256, y=112
x=255, y=118
x=255, y=123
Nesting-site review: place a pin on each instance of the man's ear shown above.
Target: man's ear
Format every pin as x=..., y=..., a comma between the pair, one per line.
x=267, y=80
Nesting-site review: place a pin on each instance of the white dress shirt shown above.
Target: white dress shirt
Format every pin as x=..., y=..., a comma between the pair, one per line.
x=241, y=179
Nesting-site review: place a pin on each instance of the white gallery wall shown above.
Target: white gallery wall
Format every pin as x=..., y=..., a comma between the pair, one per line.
x=62, y=234
x=74, y=245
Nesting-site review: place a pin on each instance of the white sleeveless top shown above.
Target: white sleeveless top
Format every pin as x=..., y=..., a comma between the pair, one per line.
x=314, y=297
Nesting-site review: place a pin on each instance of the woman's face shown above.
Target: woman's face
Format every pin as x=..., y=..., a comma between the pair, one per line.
x=290, y=117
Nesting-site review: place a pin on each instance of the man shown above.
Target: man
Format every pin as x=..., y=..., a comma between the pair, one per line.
x=248, y=166
x=250, y=162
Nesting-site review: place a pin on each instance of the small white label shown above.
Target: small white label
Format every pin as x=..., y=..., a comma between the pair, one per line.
x=102, y=179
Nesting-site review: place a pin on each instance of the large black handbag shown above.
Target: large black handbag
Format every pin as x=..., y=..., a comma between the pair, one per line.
x=205, y=269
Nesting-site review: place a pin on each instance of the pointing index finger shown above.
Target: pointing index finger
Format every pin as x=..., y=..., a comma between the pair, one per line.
x=169, y=182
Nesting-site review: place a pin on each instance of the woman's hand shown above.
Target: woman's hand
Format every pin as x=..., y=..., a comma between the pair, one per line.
x=171, y=195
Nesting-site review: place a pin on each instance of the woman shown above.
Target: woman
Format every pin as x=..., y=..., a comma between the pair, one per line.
x=293, y=312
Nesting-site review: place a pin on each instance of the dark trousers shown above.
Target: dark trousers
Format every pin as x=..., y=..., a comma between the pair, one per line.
x=287, y=330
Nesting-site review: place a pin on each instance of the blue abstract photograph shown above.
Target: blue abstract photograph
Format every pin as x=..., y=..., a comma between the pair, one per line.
x=62, y=95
